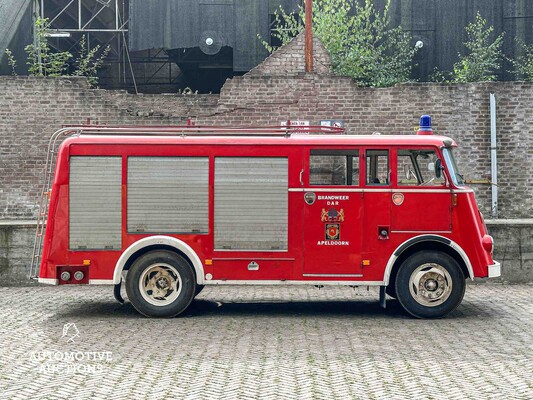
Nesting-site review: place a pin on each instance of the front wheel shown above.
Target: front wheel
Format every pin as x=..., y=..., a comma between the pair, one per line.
x=160, y=284
x=430, y=284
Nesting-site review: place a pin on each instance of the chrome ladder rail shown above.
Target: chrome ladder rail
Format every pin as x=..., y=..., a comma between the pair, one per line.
x=45, y=199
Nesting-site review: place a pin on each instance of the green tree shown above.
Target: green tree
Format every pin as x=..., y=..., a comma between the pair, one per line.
x=42, y=61
x=87, y=63
x=484, y=56
x=11, y=61
x=523, y=64
x=360, y=40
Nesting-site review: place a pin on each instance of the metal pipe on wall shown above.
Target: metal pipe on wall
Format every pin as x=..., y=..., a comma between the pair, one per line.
x=308, y=35
x=493, y=159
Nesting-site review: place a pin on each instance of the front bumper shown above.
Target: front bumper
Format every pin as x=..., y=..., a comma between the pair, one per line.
x=495, y=270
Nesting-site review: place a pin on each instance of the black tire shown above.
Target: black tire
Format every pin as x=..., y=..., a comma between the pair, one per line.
x=173, y=290
x=441, y=284
x=199, y=288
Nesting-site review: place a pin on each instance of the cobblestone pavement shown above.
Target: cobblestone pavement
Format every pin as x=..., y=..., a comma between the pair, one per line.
x=264, y=342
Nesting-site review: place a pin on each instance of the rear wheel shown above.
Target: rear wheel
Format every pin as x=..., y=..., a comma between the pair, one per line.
x=430, y=284
x=160, y=284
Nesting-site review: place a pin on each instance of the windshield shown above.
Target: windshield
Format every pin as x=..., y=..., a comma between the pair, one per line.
x=456, y=176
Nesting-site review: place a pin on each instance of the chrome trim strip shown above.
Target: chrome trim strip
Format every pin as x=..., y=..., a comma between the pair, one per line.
x=421, y=190
x=311, y=283
x=425, y=232
x=380, y=190
x=252, y=259
x=328, y=190
x=252, y=251
x=334, y=275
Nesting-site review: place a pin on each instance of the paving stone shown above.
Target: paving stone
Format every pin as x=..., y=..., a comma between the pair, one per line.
x=265, y=343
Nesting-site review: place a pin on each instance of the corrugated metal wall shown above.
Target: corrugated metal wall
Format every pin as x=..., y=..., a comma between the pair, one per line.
x=174, y=24
x=15, y=32
x=439, y=24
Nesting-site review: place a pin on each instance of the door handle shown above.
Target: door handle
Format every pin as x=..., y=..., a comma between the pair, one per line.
x=301, y=177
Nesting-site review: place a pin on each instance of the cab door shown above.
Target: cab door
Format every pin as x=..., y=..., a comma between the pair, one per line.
x=377, y=211
x=332, y=210
x=422, y=202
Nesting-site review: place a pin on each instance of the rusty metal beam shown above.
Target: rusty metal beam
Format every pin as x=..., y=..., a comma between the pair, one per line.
x=308, y=35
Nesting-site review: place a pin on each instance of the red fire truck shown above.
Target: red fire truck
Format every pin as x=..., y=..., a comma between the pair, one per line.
x=168, y=210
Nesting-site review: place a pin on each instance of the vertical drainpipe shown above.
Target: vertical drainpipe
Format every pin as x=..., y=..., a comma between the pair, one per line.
x=493, y=159
x=308, y=35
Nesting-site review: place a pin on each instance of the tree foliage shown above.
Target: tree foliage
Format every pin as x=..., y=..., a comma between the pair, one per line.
x=483, y=59
x=88, y=63
x=523, y=64
x=11, y=62
x=43, y=61
x=360, y=40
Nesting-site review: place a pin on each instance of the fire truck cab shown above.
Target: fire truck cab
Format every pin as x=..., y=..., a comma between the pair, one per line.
x=167, y=211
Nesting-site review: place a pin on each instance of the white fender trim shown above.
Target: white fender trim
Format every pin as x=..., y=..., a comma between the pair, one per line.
x=452, y=244
x=159, y=240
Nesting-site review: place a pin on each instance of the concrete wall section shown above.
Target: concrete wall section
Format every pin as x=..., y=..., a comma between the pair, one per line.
x=513, y=248
x=16, y=247
x=513, y=239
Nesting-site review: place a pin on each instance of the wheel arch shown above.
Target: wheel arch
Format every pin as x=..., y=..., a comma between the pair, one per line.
x=159, y=242
x=426, y=242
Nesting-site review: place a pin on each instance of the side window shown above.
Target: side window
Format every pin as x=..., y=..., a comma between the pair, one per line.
x=334, y=167
x=417, y=167
x=377, y=167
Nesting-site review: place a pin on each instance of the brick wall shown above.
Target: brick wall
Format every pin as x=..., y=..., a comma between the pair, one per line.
x=32, y=108
x=290, y=60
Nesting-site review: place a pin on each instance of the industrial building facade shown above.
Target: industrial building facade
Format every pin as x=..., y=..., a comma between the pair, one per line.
x=170, y=45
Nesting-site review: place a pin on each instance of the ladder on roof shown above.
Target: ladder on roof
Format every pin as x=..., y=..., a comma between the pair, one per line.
x=199, y=130
x=144, y=130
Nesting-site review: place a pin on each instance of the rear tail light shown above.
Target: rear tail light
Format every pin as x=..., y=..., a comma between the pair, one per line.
x=78, y=275
x=488, y=243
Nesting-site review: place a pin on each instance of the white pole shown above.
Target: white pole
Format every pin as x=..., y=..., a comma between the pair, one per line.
x=493, y=159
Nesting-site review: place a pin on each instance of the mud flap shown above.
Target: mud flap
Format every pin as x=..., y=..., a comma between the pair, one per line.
x=383, y=297
x=116, y=293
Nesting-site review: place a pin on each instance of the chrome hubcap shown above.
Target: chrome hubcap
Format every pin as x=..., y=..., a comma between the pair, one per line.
x=160, y=284
x=430, y=284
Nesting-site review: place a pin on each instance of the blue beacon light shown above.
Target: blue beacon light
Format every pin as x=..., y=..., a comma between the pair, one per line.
x=425, y=125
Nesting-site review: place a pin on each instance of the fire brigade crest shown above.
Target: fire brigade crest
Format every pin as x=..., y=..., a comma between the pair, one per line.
x=332, y=215
x=333, y=232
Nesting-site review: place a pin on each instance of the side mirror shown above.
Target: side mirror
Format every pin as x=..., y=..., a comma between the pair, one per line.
x=438, y=168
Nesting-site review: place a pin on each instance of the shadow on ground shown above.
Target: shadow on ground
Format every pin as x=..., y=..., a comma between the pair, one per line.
x=203, y=308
